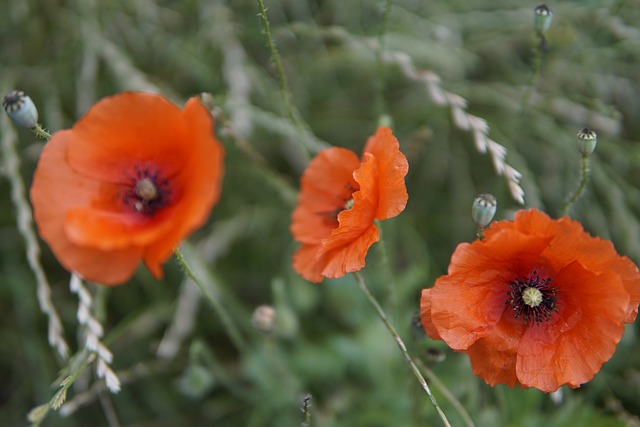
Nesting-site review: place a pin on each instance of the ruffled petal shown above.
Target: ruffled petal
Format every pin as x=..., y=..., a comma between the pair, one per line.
x=307, y=263
x=346, y=248
x=469, y=301
x=127, y=129
x=493, y=357
x=197, y=185
x=326, y=186
x=425, y=315
x=55, y=190
x=91, y=171
x=350, y=257
x=392, y=167
x=589, y=323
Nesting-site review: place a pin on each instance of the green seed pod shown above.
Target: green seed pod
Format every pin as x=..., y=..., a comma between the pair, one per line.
x=542, y=18
x=484, y=208
x=21, y=109
x=586, y=141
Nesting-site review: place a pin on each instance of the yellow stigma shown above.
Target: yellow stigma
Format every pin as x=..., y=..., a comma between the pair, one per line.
x=146, y=189
x=349, y=204
x=532, y=297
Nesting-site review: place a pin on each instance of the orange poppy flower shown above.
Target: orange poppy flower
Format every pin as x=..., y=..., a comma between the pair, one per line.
x=539, y=302
x=126, y=184
x=340, y=197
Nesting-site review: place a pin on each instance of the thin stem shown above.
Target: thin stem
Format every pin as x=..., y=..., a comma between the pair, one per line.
x=41, y=132
x=277, y=61
x=391, y=282
x=401, y=345
x=306, y=405
x=232, y=330
x=581, y=186
x=380, y=69
x=537, y=67
x=447, y=394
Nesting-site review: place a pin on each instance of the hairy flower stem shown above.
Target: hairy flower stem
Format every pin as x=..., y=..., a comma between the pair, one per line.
x=401, y=345
x=581, y=186
x=41, y=132
x=380, y=69
x=537, y=67
x=282, y=78
x=230, y=327
x=447, y=394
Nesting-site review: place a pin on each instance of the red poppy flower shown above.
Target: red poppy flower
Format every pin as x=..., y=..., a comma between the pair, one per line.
x=126, y=184
x=340, y=197
x=539, y=302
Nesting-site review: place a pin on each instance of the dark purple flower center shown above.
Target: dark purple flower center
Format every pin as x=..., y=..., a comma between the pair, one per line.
x=532, y=299
x=343, y=202
x=149, y=191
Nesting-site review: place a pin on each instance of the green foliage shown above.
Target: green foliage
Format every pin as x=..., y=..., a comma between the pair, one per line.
x=327, y=341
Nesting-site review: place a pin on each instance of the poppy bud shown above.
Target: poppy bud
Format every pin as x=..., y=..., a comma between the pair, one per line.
x=542, y=18
x=586, y=141
x=483, y=210
x=264, y=319
x=21, y=109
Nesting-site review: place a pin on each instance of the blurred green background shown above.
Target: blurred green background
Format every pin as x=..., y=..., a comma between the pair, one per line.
x=171, y=349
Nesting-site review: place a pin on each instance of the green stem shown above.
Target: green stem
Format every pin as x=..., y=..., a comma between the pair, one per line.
x=232, y=330
x=380, y=69
x=275, y=56
x=41, y=132
x=390, y=279
x=581, y=186
x=537, y=67
x=447, y=394
x=401, y=345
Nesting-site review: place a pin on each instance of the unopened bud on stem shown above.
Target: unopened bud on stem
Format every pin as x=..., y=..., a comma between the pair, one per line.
x=21, y=109
x=542, y=18
x=586, y=141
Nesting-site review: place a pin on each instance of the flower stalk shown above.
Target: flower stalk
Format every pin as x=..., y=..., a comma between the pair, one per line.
x=403, y=348
x=581, y=186
x=233, y=332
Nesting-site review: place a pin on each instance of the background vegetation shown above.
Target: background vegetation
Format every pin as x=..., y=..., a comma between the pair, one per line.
x=171, y=349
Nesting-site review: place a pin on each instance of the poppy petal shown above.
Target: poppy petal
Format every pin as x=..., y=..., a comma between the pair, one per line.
x=128, y=128
x=326, y=186
x=50, y=207
x=307, y=263
x=122, y=141
x=589, y=322
x=425, y=315
x=392, y=167
x=347, y=246
x=589, y=292
x=493, y=357
x=478, y=281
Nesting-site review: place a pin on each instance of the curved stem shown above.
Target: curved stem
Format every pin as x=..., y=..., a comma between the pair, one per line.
x=537, y=67
x=232, y=330
x=447, y=394
x=581, y=186
x=401, y=345
x=386, y=262
x=380, y=70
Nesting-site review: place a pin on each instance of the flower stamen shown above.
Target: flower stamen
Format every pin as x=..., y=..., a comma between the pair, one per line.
x=532, y=299
x=148, y=193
